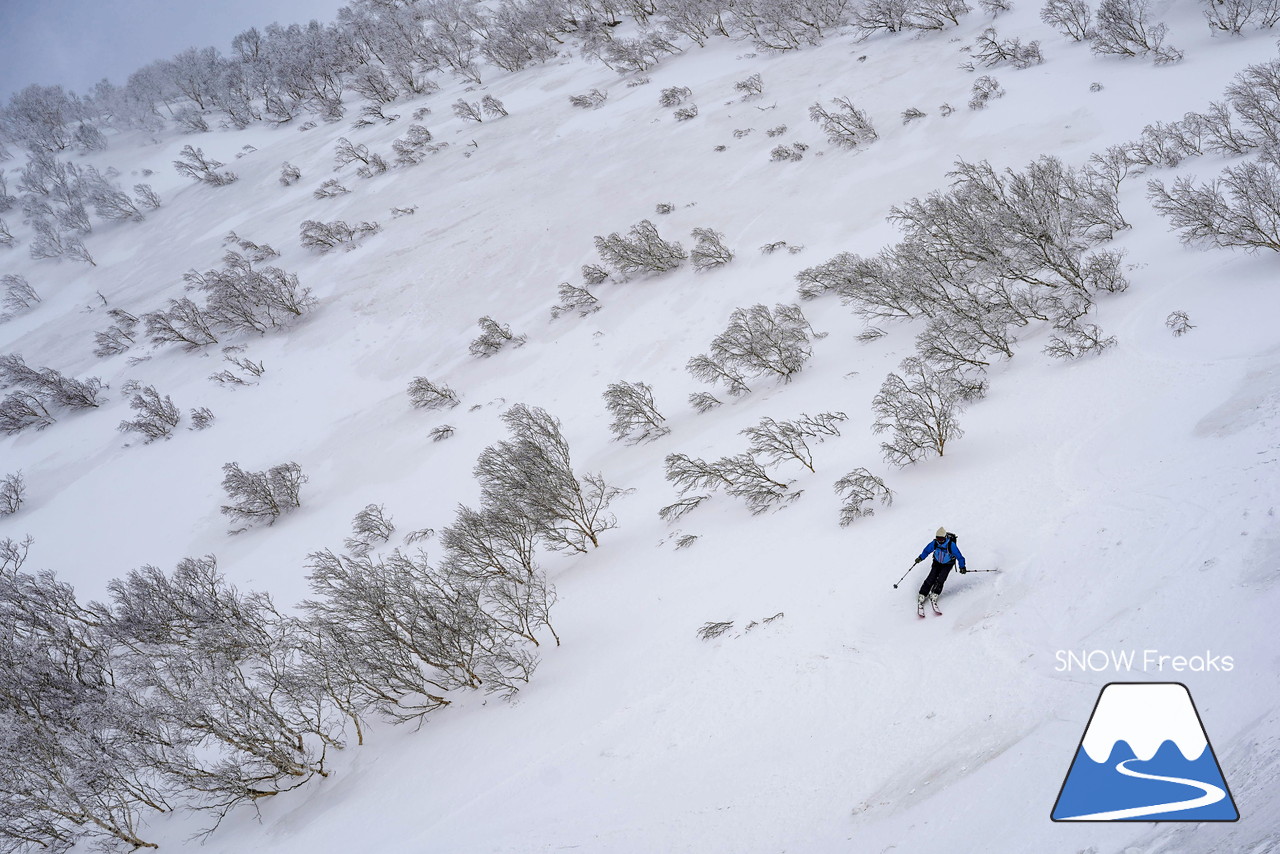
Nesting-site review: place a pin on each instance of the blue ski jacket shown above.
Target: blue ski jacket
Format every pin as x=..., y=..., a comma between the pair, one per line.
x=943, y=554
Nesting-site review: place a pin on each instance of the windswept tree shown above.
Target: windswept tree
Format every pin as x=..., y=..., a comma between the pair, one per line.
x=759, y=341
x=533, y=473
x=635, y=417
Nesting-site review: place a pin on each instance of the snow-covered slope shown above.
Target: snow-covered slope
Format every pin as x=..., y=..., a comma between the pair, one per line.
x=1127, y=500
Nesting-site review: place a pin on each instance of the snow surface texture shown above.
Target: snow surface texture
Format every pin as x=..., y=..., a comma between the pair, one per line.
x=1145, y=716
x=1129, y=501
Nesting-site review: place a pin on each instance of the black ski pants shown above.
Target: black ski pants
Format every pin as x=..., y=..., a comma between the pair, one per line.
x=937, y=577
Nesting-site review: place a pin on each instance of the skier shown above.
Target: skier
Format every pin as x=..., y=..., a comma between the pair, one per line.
x=946, y=554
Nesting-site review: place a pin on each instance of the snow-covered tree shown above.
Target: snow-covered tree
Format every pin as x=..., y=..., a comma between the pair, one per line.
x=709, y=250
x=1122, y=28
x=327, y=236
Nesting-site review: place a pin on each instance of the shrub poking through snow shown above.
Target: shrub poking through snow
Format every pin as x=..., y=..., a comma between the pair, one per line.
x=193, y=164
x=13, y=492
x=860, y=489
x=985, y=89
x=327, y=236
x=846, y=126
x=289, y=174
x=255, y=496
x=370, y=526
x=709, y=250
x=493, y=337
x=156, y=417
x=635, y=418
x=414, y=146
x=779, y=441
x=641, y=251
x=16, y=295
x=425, y=394
x=1178, y=323
x=1240, y=209
x=752, y=87
x=740, y=475
x=989, y=51
x=759, y=341
x=590, y=101
x=330, y=189
x=573, y=298
x=674, y=96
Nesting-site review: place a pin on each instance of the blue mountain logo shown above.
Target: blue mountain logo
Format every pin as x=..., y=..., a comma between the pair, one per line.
x=1145, y=756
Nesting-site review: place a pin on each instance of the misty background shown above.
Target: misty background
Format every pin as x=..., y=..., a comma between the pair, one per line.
x=75, y=43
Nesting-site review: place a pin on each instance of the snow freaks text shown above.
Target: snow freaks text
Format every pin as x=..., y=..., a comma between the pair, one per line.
x=1146, y=660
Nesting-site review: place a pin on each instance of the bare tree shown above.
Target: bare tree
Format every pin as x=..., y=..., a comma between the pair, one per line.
x=859, y=489
x=414, y=146
x=261, y=495
x=468, y=111
x=709, y=250
x=326, y=236
x=183, y=322
x=424, y=394
x=156, y=418
x=920, y=408
x=289, y=174
x=22, y=409
x=1072, y=18
x=49, y=384
x=492, y=107
x=635, y=418
x=573, y=298
x=740, y=475
x=779, y=441
x=196, y=166
x=752, y=87
x=846, y=126
x=13, y=490
x=642, y=250
x=589, y=101
x=532, y=473
x=369, y=526
x=493, y=337
x=18, y=295
x=1240, y=209
x=1178, y=323
x=330, y=189
x=758, y=341
x=985, y=89
x=1123, y=30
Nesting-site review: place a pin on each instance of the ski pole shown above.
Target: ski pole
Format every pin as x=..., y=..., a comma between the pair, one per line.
x=981, y=570
x=904, y=575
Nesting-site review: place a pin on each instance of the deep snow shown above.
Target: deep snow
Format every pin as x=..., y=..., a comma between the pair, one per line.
x=1128, y=500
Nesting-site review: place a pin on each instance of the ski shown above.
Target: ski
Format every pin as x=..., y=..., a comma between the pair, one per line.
x=920, y=610
x=936, y=610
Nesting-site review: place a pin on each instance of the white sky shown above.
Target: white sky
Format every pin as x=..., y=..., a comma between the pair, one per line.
x=78, y=42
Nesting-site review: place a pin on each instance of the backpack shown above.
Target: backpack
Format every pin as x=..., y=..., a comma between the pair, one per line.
x=951, y=541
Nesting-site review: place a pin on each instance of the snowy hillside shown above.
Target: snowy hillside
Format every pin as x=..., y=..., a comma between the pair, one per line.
x=1121, y=501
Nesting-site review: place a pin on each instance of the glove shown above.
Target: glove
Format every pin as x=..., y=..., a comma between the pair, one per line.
x=963, y=570
x=917, y=560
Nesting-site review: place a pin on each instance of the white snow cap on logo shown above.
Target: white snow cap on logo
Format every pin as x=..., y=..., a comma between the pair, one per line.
x=1144, y=715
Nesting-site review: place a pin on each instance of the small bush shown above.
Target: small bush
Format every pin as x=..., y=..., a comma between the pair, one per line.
x=860, y=489
x=157, y=417
x=424, y=394
x=642, y=250
x=985, y=89
x=590, y=101
x=327, y=236
x=289, y=174
x=709, y=250
x=261, y=495
x=13, y=492
x=200, y=168
x=493, y=337
x=1178, y=323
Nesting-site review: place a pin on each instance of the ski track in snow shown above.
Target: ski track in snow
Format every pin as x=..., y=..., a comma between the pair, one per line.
x=1212, y=794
